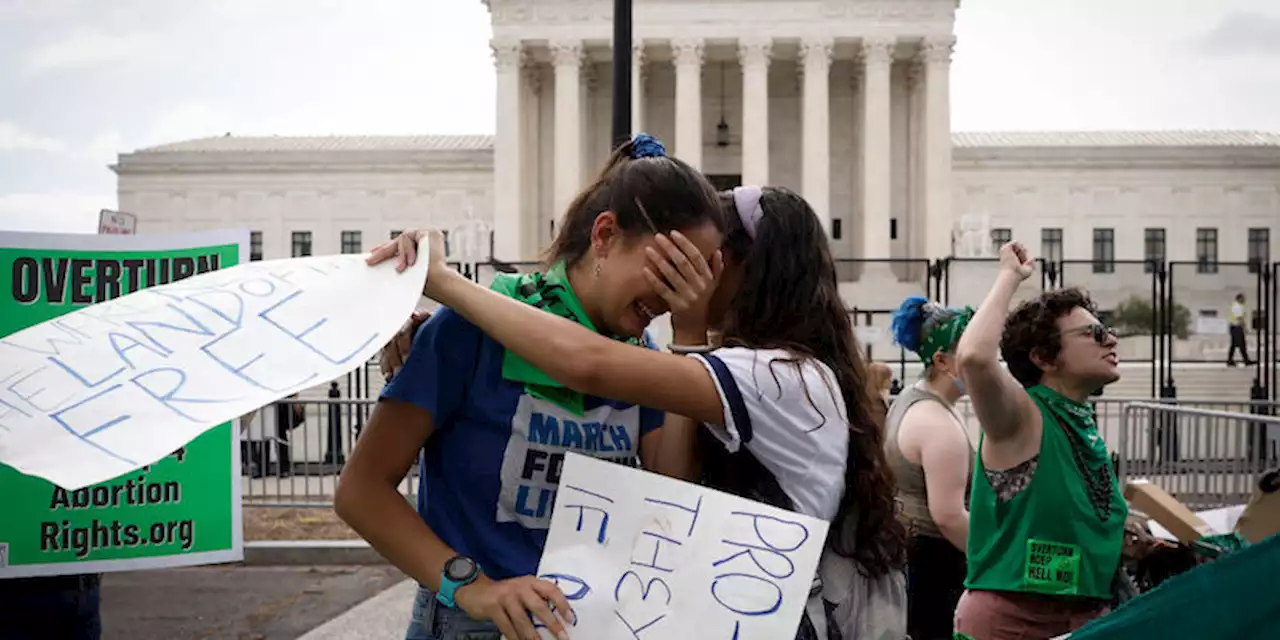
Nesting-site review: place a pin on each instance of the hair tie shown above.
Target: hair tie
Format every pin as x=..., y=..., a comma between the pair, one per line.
x=747, y=201
x=647, y=146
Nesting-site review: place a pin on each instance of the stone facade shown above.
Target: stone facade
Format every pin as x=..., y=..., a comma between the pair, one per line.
x=794, y=84
x=843, y=101
x=359, y=189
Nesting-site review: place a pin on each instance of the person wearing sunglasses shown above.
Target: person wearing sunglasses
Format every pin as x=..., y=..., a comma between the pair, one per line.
x=1046, y=515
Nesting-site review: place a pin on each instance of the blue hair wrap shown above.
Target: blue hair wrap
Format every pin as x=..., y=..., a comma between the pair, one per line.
x=927, y=327
x=647, y=146
x=908, y=321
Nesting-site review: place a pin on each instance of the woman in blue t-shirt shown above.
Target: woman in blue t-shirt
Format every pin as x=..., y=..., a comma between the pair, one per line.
x=783, y=398
x=494, y=428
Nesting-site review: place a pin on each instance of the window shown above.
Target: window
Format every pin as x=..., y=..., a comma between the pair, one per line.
x=724, y=182
x=301, y=244
x=1051, y=244
x=351, y=242
x=1259, y=248
x=1206, y=250
x=255, y=246
x=836, y=230
x=396, y=234
x=999, y=237
x=1104, y=250
x=1152, y=248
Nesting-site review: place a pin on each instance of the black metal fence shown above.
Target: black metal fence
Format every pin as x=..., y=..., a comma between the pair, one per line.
x=1129, y=295
x=965, y=281
x=1167, y=313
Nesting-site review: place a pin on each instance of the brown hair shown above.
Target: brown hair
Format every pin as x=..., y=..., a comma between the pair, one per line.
x=881, y=377
x=654, y=193
x=1032, y=328
x=789, y=299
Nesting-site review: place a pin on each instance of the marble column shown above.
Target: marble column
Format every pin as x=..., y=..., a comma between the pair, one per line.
x=508, y=194
x=567, y=58
x=535, y=218
x=912, y=230
x=591, y=156
x=637, y=87
x=753, y=55
x=877, y=56
x=815, y=157
x=688, y=63
x=936, y=55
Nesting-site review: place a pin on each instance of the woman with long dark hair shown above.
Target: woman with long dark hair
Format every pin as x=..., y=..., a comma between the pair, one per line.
x=785, y=396
x=486, y=418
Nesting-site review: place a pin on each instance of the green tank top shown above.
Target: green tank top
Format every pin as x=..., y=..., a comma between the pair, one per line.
x=1062, y=534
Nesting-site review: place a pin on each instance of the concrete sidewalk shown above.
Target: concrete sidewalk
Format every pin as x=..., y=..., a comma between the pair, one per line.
x=242, y=602
x=383, y=617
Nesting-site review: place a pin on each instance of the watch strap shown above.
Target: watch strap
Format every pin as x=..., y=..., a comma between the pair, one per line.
x=449, y=586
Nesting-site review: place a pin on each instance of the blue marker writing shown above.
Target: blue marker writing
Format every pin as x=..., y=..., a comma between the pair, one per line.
x=300, y=337
x=582, y=509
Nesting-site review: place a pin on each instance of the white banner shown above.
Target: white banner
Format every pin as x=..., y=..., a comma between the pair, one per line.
x=112, y=387
x=640, y=555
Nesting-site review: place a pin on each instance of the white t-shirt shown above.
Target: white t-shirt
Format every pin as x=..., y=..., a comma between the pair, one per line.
x=801, y=437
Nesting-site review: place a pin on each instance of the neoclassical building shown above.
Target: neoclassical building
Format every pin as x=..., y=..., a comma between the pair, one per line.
x=844, y=101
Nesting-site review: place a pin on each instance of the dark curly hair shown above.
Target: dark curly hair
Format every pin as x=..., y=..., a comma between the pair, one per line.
x=1033, y=328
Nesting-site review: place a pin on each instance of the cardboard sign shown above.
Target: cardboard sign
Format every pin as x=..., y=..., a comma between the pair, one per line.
x=182, y=510
x=644, y=556
x=117, y=223
x=111, y=387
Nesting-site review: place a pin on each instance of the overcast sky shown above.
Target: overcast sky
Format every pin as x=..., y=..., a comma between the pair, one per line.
x=81, y=80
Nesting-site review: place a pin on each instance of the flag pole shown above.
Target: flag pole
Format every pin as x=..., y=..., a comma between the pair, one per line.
x=621, y=72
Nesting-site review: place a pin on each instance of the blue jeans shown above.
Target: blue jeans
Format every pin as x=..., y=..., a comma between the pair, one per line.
x=434, y=621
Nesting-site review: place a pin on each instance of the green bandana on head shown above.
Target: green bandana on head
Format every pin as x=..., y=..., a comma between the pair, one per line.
x=942, y=336
x=552, y=293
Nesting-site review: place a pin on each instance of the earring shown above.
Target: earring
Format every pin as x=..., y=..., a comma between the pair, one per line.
x=596, y=270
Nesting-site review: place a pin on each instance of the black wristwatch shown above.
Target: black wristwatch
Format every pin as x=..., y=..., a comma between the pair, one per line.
x=458, y=572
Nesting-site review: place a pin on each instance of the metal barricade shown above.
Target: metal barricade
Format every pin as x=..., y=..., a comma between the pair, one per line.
x=1203, y=457
x=1196, y=449
x=313, y=452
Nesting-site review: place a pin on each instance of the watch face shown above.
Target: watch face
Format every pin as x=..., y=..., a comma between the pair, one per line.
x=459, y=569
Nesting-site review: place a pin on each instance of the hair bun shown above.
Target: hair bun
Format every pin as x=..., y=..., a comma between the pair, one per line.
x=647, y=146
x=908, y=322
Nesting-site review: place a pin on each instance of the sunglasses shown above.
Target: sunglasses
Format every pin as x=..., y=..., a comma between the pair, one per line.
x=1101, y=333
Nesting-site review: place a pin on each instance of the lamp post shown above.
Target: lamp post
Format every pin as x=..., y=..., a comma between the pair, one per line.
x=621, y=72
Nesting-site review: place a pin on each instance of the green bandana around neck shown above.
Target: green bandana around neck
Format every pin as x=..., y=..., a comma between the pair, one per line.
x=1087, y=448
x=943, y=336
x=552, y=293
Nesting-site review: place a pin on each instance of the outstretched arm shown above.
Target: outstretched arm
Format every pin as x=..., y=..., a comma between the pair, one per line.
x=1005, y=411
x=582, y=359
x=576, y=356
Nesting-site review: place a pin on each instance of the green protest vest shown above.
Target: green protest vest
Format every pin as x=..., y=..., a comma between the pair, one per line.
x=1063, y=533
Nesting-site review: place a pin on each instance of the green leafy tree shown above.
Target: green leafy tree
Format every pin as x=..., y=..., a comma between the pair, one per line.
x=1134, y=316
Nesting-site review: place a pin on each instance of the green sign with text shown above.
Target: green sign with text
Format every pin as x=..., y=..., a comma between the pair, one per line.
x=181, y=510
